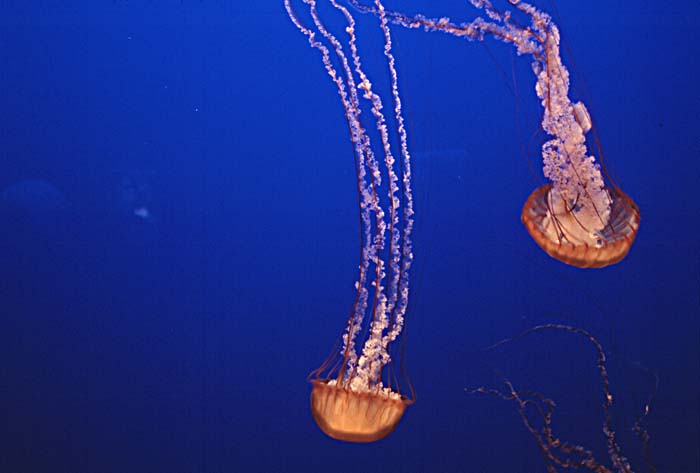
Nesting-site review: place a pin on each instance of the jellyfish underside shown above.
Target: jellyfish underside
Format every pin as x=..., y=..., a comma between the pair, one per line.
x=353, y=416
x=556, y=229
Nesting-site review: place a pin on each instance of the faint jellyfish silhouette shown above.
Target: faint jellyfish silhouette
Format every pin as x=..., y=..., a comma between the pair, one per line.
x=134, y=197
x=555, y=451
x=356, y=394
x=576, y=218
x=134, y=206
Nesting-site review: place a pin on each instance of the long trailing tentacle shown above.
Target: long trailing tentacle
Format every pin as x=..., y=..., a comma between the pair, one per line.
x=548, y=443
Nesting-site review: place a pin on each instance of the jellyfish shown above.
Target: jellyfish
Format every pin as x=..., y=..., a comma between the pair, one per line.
x=134, y=195
x=356, y=393
x=576, y=218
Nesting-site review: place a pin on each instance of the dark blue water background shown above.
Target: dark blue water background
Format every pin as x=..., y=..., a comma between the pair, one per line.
x=179, y=239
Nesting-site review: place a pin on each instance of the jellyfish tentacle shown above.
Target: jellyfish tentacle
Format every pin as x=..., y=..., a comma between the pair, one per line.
x=363, y=152
x=380, y=302
x=375, y=243
x=619, y=461
x=550, y=445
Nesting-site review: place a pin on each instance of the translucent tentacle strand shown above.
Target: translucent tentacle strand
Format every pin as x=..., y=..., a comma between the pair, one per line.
x=386, y=253
x=363, y=151
x=555, y=451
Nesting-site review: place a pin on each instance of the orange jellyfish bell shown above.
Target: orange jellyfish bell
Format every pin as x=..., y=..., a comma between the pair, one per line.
x=352, y=416
x=562, y=236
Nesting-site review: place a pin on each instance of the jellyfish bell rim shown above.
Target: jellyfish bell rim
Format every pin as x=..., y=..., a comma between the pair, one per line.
x=624, y=213
x=355, y=416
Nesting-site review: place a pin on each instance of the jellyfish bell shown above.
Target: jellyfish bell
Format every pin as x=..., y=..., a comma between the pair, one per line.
x=359, y=398
x=356, y=394
x=355, y=416
x=555, y=227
